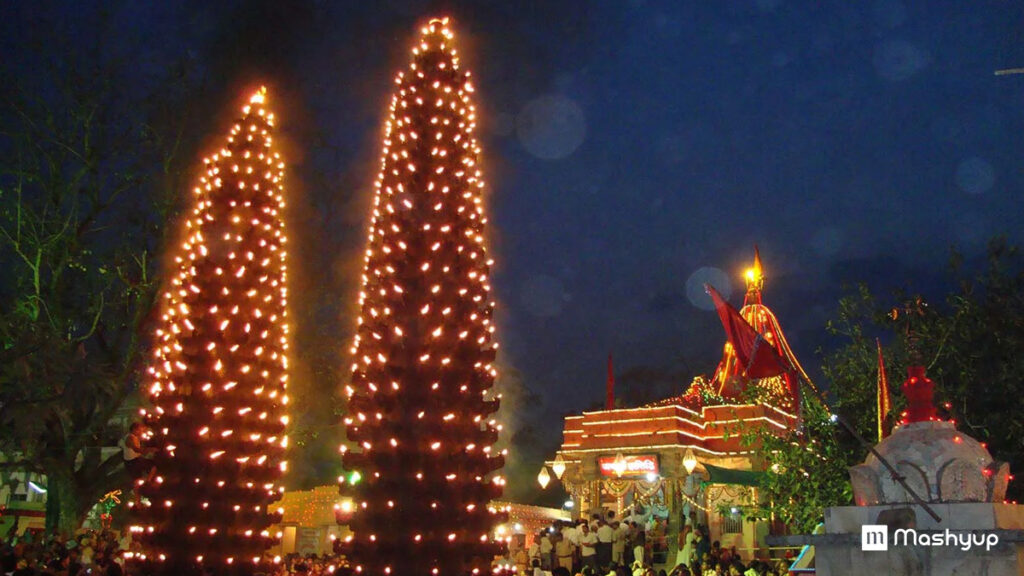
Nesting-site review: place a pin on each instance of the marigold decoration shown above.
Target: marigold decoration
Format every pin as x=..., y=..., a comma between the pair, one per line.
x=419, y=404
x=107, y=504
x=219, y=370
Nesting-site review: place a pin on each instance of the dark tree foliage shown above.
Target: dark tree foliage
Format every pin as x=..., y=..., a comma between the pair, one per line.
x=970, y=342
x=806, y=471
x=86, y=165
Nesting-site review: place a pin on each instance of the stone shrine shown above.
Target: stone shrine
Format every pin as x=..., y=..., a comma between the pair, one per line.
x=890, y=531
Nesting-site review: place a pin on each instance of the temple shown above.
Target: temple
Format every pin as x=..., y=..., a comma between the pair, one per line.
x=684, y=457
x=730, y=379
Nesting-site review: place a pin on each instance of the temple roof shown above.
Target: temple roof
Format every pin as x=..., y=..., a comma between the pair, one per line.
x=729, y=384
x=711, y=430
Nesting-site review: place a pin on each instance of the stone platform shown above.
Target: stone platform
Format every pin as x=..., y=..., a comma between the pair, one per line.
x=839, y=551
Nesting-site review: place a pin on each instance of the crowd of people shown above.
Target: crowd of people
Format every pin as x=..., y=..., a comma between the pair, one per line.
x=89, y=553
x=608, y=546
x=101, y=553
x=310, y=565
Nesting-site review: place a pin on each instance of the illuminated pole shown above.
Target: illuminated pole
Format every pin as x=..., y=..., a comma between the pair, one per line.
x=218, y=375
x=419, y=410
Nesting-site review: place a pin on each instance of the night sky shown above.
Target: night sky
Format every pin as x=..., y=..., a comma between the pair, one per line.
x=633, y=150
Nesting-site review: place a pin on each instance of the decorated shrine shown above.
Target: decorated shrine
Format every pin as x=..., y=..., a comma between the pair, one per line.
x=312, y=520
x=929, y=499
x=309, y=520
x=684, y=457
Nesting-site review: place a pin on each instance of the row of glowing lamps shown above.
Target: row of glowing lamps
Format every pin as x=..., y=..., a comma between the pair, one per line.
x=619, y=466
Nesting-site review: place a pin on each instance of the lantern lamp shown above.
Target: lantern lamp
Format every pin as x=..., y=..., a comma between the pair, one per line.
x=543, y=478
x=558, y=466
x=689, y=461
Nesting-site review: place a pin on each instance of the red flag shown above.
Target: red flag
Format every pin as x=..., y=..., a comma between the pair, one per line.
x=884, y=397
x=753, y=353
x=609, y=402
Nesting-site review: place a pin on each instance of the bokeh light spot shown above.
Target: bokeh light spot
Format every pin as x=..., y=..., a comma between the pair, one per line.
x=551, y=127
x=707, y=275
x=975, y=175
x=899, y=60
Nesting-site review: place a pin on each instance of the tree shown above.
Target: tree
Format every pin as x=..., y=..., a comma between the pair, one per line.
x=969, y=341
x=218, y=375
x=84, y=167
x=418, y=407
x=806, y=471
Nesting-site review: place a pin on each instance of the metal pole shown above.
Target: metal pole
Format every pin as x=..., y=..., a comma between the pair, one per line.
x=871, y=447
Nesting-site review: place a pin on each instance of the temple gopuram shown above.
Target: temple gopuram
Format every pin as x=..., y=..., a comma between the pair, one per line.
x=684, y=457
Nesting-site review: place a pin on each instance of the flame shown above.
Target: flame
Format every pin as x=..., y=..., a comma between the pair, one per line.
x=754, y=274
x=260, y=97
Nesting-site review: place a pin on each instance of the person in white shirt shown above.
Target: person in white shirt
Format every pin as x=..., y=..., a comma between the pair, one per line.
x=570, y=533
x=534, y=550
x=605, y=536
x=546, y=548
x=588, y=547
x=563, y=553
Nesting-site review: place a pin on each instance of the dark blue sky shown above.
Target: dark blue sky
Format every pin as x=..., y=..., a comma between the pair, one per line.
x=631, y=146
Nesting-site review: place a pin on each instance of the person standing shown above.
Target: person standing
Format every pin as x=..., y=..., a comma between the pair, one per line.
x=546, y=549
x=134, y=454
x=685, y=554
x=588, y=548
x=618, y=544
x=639, y=543
x=701, y=546
x=563, y=553
x=533, y=552
x=605, y=537
x=521, y=559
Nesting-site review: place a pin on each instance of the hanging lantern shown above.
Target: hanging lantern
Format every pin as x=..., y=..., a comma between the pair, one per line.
x=689, y=461
x=543, y=478
x=558, y=466
x=619, y=465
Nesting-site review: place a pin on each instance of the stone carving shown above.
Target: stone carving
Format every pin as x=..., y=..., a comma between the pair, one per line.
x=866, y=488
x=940, y=463
x=963, y=480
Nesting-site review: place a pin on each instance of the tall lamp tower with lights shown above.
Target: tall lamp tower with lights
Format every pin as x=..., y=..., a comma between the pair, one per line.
x=420, y=402
x=219, y=370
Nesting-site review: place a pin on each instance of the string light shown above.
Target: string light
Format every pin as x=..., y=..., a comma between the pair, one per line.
x=694, y=503
x=219, y=371
x=419, y=402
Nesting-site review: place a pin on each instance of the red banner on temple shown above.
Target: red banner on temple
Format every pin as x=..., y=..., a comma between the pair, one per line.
x=752, y=351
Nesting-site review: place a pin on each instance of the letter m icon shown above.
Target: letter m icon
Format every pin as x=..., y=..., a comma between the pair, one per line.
x=874, y=537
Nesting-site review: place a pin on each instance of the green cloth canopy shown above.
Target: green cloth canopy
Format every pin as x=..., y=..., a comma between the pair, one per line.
x=719, y=475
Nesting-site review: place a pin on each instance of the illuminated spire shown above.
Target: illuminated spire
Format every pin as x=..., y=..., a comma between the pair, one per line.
x=755, y=280
x=420, y=401
x=219, y=371
x=729, y=380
